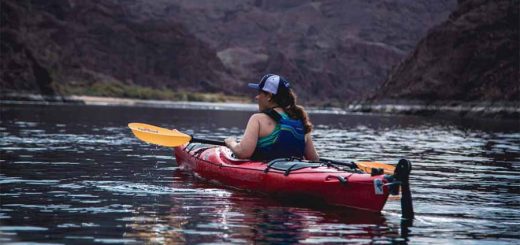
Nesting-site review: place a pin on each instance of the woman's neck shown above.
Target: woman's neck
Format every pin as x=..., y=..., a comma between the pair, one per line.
x=278, y=109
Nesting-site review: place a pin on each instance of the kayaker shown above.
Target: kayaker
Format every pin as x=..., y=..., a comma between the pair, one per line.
x=282, y=129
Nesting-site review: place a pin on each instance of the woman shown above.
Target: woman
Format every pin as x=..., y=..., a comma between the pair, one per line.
x=282, y=129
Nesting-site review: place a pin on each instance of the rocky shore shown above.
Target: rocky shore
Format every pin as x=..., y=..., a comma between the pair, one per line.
x=503, y=110
x=37, y=99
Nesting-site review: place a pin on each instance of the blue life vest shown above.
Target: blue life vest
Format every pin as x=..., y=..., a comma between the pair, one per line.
x=286, y=140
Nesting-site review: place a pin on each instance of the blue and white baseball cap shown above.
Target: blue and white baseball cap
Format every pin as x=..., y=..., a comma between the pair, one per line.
x=271, y=83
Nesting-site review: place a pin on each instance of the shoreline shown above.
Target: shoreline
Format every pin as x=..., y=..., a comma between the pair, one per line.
x=36, y=99
x=463, y=110
x=507, y=110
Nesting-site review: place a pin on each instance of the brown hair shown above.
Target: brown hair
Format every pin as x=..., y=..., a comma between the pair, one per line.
x=286, y=99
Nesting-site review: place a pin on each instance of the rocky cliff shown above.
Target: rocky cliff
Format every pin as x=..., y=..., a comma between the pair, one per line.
x=471, y=57
x=48, y=45
x=332, y=50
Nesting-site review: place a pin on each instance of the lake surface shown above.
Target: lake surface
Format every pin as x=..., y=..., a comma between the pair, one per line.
x=76, y=175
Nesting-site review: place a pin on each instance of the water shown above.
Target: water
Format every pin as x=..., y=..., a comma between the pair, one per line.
x=75, y=174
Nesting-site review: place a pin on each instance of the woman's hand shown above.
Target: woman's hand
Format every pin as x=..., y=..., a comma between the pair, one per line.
x=310, y=152
x=231, y=142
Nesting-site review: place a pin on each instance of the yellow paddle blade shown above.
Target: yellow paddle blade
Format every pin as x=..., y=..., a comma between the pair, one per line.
x=159, y=136
x=367, y=167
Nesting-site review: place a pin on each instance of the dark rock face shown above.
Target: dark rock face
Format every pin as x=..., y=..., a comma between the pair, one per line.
x=331, y=50
x=473, y=56
x=45, y=43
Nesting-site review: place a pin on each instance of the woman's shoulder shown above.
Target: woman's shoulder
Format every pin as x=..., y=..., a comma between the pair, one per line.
x=260, y=117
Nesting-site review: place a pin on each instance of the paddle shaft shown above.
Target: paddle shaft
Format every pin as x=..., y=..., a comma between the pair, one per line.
x=206, y=141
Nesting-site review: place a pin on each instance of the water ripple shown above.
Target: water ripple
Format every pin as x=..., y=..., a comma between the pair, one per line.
x=147, y=189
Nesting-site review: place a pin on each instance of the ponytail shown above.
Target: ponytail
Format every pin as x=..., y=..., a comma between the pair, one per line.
x=288, y=102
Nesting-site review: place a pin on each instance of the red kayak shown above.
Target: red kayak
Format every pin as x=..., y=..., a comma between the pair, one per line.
x=321, y=181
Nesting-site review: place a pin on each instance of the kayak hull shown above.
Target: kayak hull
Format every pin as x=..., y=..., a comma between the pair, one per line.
x=319, y=182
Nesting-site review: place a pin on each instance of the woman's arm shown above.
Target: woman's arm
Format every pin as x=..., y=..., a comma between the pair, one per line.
x=247, y=145
x=310, y=151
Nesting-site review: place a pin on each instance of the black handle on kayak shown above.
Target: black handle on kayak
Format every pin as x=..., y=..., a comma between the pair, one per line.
x=326, y=160
x=206, y=141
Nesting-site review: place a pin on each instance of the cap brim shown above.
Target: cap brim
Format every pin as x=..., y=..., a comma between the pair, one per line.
x=254, y=85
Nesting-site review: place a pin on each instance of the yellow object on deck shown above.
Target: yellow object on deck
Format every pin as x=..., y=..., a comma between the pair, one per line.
x=367, y=167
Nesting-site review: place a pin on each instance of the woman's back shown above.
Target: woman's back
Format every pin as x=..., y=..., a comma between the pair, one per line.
x=286, y=139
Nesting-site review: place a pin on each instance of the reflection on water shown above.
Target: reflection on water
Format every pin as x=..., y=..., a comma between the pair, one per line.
x=75, y=174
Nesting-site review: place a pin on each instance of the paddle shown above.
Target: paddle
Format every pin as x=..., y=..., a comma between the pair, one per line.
x=173, y=138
